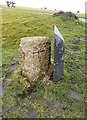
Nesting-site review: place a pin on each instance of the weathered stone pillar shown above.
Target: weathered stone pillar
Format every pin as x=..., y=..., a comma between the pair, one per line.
x=35, y=54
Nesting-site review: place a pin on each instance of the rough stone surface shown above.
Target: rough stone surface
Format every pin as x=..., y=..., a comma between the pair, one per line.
x=35, y=53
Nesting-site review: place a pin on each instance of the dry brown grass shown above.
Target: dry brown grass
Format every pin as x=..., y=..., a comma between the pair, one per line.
x=33, y=9
x=82, y=15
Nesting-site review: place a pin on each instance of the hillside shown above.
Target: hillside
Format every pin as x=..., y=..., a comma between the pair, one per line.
x=64, y=99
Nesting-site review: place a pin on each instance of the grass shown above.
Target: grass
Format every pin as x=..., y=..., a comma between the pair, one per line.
x=64, y=99
x=82, y=15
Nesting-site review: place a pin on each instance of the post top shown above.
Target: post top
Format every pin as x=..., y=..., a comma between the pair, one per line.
x=34, y=38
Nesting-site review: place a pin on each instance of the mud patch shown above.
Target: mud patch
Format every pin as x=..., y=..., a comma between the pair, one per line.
x=9, y=110
x=8, y=68
x=74, y=95
x=12, y=66
x=32, y=113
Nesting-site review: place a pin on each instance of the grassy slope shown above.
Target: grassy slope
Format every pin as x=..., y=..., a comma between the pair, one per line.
x=18, y=23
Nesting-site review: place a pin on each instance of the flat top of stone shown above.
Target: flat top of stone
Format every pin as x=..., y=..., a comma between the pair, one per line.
x=34, y=38
x=29, y=41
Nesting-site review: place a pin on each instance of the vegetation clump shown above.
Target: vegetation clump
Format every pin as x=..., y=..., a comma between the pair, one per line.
x=66, y=14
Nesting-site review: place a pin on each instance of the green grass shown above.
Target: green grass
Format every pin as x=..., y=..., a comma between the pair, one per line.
x=46, y=101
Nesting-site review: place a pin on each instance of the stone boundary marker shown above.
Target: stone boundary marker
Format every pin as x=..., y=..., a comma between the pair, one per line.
x=35, y=56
